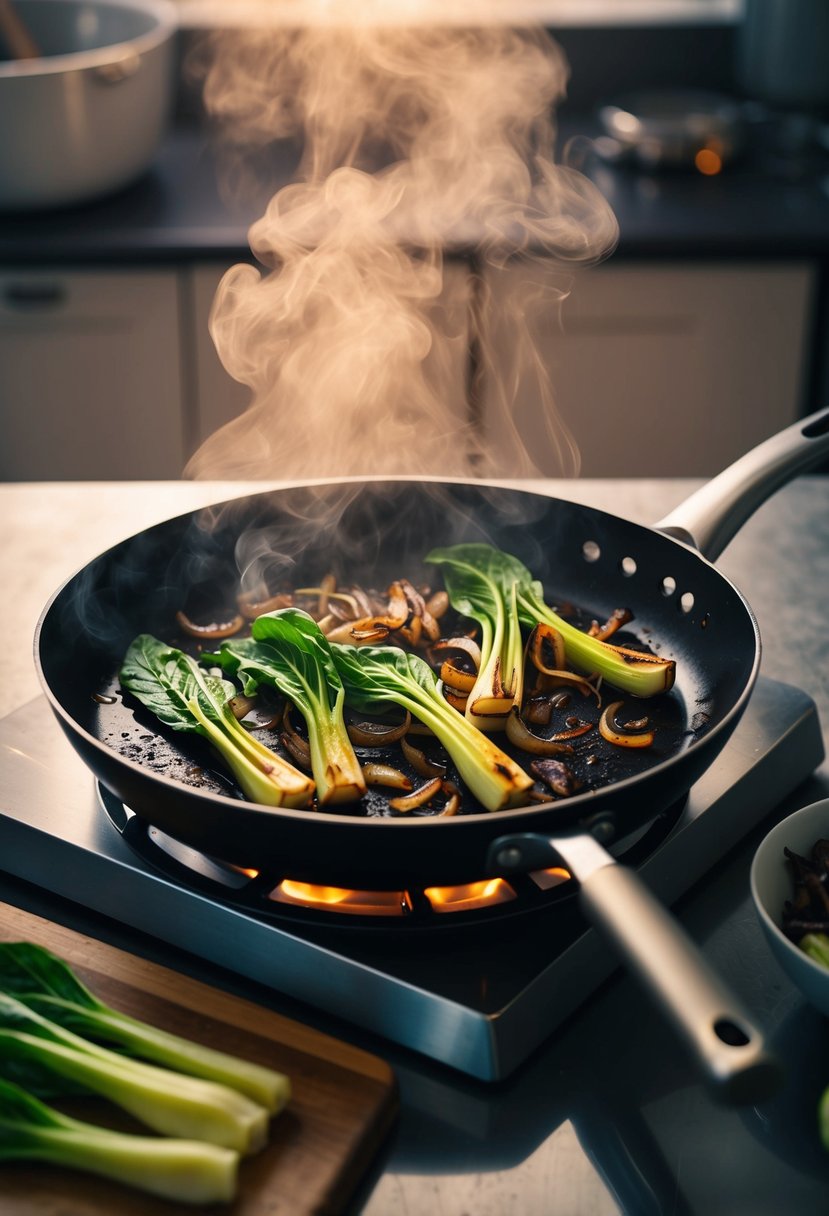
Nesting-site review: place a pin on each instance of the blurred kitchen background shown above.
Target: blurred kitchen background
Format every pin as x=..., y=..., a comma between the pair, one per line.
x=704, y=123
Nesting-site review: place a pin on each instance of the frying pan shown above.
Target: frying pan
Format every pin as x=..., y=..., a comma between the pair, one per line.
x=374, y=531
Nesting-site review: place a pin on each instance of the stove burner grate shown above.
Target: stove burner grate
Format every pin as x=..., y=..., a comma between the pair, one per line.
x=273, y=895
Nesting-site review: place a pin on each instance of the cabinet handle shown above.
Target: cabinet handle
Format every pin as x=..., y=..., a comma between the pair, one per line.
x=32, y=296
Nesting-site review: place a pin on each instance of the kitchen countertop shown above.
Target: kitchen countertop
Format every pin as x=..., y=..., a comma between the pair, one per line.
x=760, y=206
x=606, y=1116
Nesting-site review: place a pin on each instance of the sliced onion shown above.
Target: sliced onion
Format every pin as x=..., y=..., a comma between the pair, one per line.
x=251, y=608
x=377, y=734
x=420, y=762
x=465, y=645
x=217, y=629
x=453, y=801
x=617, y=618
x=240, y=706
x=385, y=774
x=453, y=677
x=437, y=605
x=522, y=737
x=458, y=700
x=420, y=797
x=535, y=648
x=609, y=730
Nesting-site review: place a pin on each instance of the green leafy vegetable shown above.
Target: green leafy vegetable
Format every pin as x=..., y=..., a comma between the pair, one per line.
x=481, y=583
x=643, y=675
x=816, y=945
x=46, y=1059
x=185, y=697
x=188, y=1171
x=289, y=651
x=46, y=984
x=375, y=675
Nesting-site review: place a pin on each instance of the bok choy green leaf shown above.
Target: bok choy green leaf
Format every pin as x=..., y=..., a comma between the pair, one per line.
x=47, y=1060
x=289, y=652
x=185, y=697
x=378, y=675
x=46, y=984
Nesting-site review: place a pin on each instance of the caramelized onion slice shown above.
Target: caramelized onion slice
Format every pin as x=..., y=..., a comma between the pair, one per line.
x=622, y=738
x=386, y=774
x=455, y=678
x=217, y=629
x=420, y=762
x=423, y=794
x=521, y=736
x=377, y=734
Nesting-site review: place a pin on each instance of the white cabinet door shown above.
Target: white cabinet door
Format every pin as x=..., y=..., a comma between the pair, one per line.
x=663, y=370
x=218, y=397
x=90, y=375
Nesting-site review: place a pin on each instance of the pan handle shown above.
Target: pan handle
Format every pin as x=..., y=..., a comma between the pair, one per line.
x=719, y=1032
x=709, y=518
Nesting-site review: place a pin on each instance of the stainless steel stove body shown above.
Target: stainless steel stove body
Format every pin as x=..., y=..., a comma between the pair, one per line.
x=479, y=998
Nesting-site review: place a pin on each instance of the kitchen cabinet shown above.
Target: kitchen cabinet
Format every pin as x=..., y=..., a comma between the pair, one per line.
x=90, y=375
x=656, y=368
x=668, y=368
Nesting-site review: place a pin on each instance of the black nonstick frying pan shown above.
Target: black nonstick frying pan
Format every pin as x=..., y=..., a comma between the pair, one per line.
x=372, y=532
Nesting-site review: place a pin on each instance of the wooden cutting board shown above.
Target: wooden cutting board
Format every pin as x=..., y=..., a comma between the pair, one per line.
x=344, y=1100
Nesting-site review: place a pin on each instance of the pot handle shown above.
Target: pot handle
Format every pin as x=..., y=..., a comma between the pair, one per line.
x=726, y=1046
x=710, y=517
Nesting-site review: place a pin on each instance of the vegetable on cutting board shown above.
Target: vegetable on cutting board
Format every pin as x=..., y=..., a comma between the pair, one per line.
x=48, y=985
x=57, y=1039
x=189, y=1171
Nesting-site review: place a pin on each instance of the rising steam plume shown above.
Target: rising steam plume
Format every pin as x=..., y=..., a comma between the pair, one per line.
x=427, y=150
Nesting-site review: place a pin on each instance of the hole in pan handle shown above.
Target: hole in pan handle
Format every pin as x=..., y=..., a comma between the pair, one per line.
x=726, y=1046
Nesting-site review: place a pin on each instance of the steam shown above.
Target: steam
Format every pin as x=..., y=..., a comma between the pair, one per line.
x=426, y=167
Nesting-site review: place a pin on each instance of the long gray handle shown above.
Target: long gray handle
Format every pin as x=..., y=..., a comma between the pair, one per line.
x=709, y=518
x=727, y=1048
x=715, y=1026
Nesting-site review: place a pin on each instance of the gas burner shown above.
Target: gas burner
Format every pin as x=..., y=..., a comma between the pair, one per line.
x=480, y=1002
x=272, y=895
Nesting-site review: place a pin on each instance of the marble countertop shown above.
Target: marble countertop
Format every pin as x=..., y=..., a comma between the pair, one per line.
x=544, y=1142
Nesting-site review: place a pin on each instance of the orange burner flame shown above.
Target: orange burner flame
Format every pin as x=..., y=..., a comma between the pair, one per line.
x=547, y=879
x=470, y=895
x=342, y=899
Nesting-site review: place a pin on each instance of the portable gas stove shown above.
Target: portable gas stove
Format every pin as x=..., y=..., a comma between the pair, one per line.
x=473, y=977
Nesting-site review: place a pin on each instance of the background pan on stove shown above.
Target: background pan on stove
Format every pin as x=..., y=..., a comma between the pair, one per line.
x=137, y=586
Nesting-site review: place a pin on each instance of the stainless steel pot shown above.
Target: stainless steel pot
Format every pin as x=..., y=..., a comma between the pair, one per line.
x=86, y=116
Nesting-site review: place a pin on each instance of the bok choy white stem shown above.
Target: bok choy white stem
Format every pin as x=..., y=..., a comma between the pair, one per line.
x=187, y=1171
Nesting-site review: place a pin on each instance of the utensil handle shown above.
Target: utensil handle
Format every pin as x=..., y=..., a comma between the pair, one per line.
x=709, y=518
x=726, y=1046
x=717, y=1029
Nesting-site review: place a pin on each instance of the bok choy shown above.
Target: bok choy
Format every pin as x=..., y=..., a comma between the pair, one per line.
x=185, y=697
x=188, y=1171
x=289, y=652
x=48, y=1060
x=643, y=675
x=46, y=984
x=481, y=583
x=377, y=675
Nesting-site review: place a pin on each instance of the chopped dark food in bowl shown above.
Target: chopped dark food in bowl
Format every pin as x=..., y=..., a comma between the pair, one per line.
x=806, y=915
